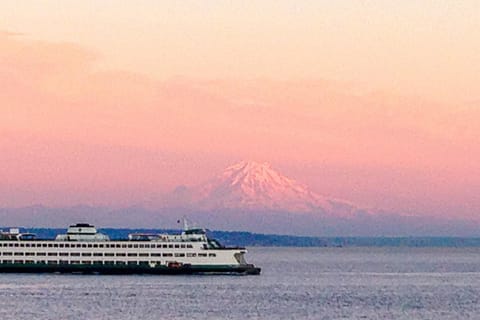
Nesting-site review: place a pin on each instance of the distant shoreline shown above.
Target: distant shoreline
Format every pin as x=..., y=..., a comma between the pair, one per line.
x=250, y=239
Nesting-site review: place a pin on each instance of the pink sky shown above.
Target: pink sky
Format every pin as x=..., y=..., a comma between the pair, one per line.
x=376, y=102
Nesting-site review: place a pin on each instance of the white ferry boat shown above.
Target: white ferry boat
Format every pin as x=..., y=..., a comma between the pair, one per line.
x=84, y=250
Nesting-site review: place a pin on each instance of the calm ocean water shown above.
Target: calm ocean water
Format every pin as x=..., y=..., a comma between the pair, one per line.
x=296, y=283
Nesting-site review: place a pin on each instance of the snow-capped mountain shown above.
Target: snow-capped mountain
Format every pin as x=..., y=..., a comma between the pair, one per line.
x=250, y=185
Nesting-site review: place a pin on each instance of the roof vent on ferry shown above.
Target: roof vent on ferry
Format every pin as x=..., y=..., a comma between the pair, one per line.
x=82, y=225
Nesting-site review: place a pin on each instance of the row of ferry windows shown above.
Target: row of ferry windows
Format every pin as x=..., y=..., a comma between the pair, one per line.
x=84, y=262
x=108, y=254
x=94, y=245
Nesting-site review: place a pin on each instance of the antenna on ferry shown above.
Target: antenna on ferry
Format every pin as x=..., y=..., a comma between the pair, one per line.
x=185, y=223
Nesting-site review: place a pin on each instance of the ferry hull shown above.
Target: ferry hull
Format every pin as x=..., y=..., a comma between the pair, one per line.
x=129, y=269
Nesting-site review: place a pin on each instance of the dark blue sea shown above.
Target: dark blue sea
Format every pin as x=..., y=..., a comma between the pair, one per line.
x=296, y=283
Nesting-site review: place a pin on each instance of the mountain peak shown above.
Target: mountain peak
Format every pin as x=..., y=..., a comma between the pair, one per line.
x=249, y=166
x=252, y=185
x=251, y=172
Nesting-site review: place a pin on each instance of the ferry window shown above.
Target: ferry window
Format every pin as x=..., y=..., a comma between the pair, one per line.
x=79, y=246
x=143, y=254
x=84, y=245
x=86, y=262
x=63, y=254
x=7, y=253
x=164, y=246
x=179, y=254
x=22, y=245
x=170, y=245
x=159, y=245
x=15, y=245
x=89, y=246
x=29, y=261
x=124, y=245
x=41, y=254
x=189, y=246
x=17, y=261
x=97, y=254
x=97, y=262
x=147, y=246
x=27, y=245
x=63, y=262
x=129, y=245
x=44, y=245
x=67, y=245
x=121, y=254
x=132, y=254
x=52, y=253
x=18, y=254
x=29, y=253
x=74, y=262
x=132, y=262
x=75, y=254
x=86, y=254
x=109, y=254
x=95, y=245
x=118, y=246
x=212, y=255
x=168, y=255
x=10, y=244
x=135, y=245
x=55, y=245
x=52, y=262
x=182, y=246
x=50, y=245
x=177, y=246
x=142, y=246
x=108, y=262
x=202, y=254
x=100, y=245
x=61, y=245
x=143, y=263
x=120, y=262
x=191, y=254
x=156, y=254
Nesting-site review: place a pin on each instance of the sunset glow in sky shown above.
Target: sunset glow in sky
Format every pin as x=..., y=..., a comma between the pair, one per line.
x=114, y=102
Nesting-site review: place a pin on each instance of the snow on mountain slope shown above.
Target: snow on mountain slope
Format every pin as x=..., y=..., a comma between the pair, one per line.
x=249, y=185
